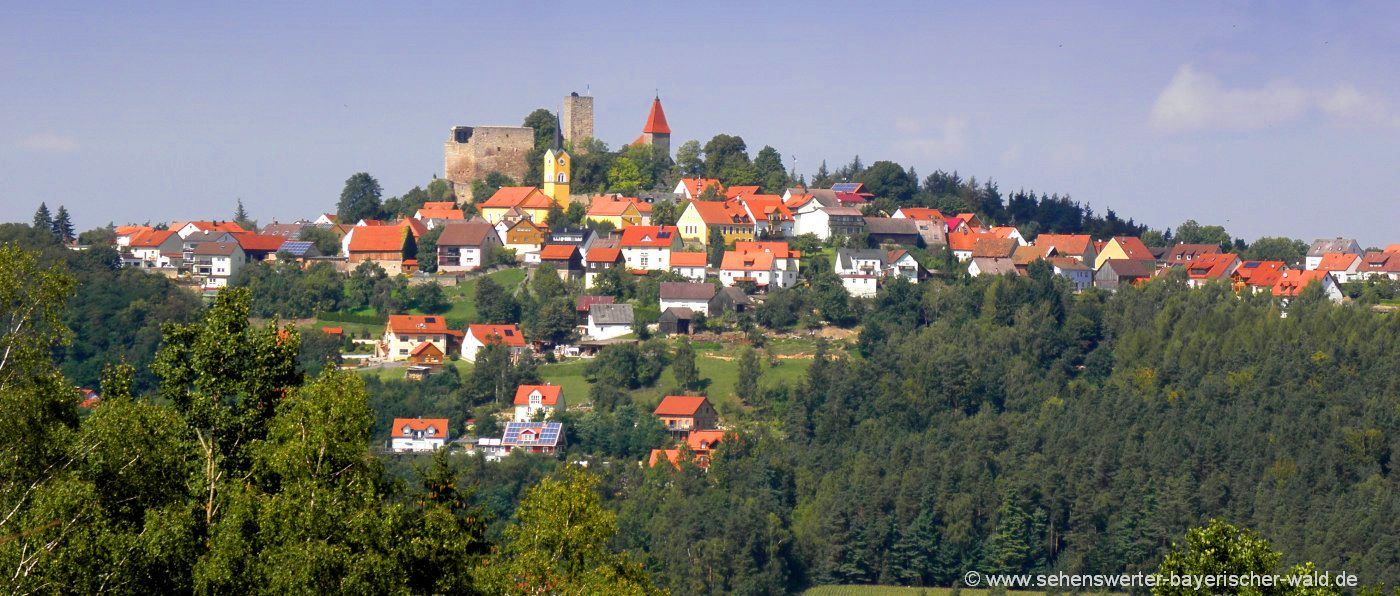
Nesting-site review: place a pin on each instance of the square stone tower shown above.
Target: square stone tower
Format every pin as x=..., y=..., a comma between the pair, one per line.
x=578, y=119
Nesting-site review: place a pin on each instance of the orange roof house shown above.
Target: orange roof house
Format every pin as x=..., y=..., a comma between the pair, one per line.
x=689, y=259
x=439, y=210
x=647, y=237
x=426, y=353
x=1340, y=262
x=417, y=324
x=671, y=456
x=508, y=335
x=604, y=254
x=1211, y=266
x=619, y=211
x=530, y=201
x=549, y=394
x=1124, y=247
x=149, y=238
x=1294, y=282
x=684, y=413
x=1258, y=274
x=730, y=217
x=694, y=188
x=778, y=248
x=734, y=192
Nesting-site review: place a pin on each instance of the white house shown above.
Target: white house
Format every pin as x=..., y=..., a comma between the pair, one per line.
x=690, y=265
x=607, y=321
x=465, y=246
x=648, y=248
x=404, y=333
x=216, y=262
x=532, y=400
x=779, y=268
x=326, y=219
x=154, y=248
x=1323, y=246
x=1079, y=275
x=411, y=435
x=480, y=336
x=862, y=270
x=694, y=296
x=694, y=188
x=187, y=228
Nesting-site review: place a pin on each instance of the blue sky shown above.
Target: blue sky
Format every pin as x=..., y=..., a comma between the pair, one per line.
x=1268, y=118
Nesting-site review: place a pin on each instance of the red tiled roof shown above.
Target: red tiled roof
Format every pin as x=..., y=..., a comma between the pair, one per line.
x=439, y=426
x=721, y=212
x=508, y=335
x=923, y=214
x=648, y=236
x=738, y=191
x=1338, y=261
x=585, y=303
x=963, y=241
x=656, y=120
x=1066, y=244
x=767, y=207
x=549, y=394
x=439, y=213
x=524, y=197
x=558, y=252
x=606, y=206
x=377, y=239
x=1134, y=248
x=778, y=248
x=414, y=324
x=423, y=347
x=670, y=455
x=1211, y=266
x=1258, y=273
x=150, y=238
x=697, y=186
x=259, y=242
x=703, y=440
x=439, y=205
x=220, y=226
x=333, y=330
x=603, y=254
x=689, y=259
x=1292, y=282
x=680, y=405
x=747, y=261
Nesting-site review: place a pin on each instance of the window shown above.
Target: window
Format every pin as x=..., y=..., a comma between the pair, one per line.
x=560, y=178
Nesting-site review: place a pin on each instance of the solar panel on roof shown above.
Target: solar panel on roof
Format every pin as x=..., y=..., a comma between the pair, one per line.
x=845, y=186
x=430, y=319
x=1251, y=265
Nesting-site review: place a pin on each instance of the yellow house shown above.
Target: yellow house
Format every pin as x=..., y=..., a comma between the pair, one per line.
x=528, y=199
x=621, y=212
x=1123, y=247
x=729, y=217
x=556, y=176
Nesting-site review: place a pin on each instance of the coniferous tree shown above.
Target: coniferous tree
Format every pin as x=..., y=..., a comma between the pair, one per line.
x=63, y=225
x=43, y=220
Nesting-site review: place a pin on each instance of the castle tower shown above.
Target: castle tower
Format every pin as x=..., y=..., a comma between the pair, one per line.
x=578, y=119
x=557, y=163
x=656, y=132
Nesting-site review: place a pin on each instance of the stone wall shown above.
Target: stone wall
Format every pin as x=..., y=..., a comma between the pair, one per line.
x=472, y=152
x=578, y=119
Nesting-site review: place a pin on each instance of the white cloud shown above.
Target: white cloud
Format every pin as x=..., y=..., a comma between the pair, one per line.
x=1196, y=100
x=928, y=142
x=49, y=142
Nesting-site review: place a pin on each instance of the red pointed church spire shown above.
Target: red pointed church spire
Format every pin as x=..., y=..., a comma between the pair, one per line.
x=656, y=120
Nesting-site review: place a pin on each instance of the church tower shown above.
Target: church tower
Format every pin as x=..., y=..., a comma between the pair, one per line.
x=656, y=132
x=557, y=163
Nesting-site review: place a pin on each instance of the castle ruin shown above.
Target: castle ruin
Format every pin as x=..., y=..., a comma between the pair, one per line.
x=472, y=152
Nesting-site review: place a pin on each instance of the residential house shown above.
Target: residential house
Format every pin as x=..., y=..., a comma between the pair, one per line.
x=532, y=437
x=538, y=401
x=735, y=192
x=676, y=320
x=436, y=213
x=1008, y=232
x=1080, y=276
x=989, y=247
x=386, y=246
x=426, y=354
x=525, y=238
x=150, y=249
x=962, y=242
x=481, y=335
x=528, y=200
x=747, y=267
x=214, y=263
x=405, y=333
x=597, y=260
x=298, y=250
x=1025, y=255
x=1378, y=265
x=581, y=237
x=771, y=217
x=860, y=270
x=124, y=234
x=786, y=261
x=811, y=217
x=584, y=303
x=1259, y=276
x=418, y=435
x=327, y=219
x=979, y=266
x=184, y=229
x=465, y=246
x=695, y=188
x=1182, y=254
x=1123, y=247
x=1117, y=273
x=901, y=263
x=888, y=230
x=694, y=296
x=1292, y=283
x=607, y=321
x=565, y=258
x=648, y=248
x=1209, y=267
x=619, y=211
x=288, y=231
x=729, y=300
x=729, y=218
x=1079, y=247
x=1322, y=246
x=690, y=265
x=1344, y=266
x=681, y=414
x=260, y=247
x=931, y=224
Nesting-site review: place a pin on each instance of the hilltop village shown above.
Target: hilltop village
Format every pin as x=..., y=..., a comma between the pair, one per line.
x=540, y=244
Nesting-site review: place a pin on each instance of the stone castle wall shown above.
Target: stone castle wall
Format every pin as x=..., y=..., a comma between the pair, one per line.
x=577, y=119
x=472, y=152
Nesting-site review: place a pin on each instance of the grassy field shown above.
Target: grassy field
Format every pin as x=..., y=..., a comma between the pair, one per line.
x=897, y=591
x=463, y=294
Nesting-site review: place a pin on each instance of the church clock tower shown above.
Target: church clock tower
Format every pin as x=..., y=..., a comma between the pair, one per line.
x=557, y=164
